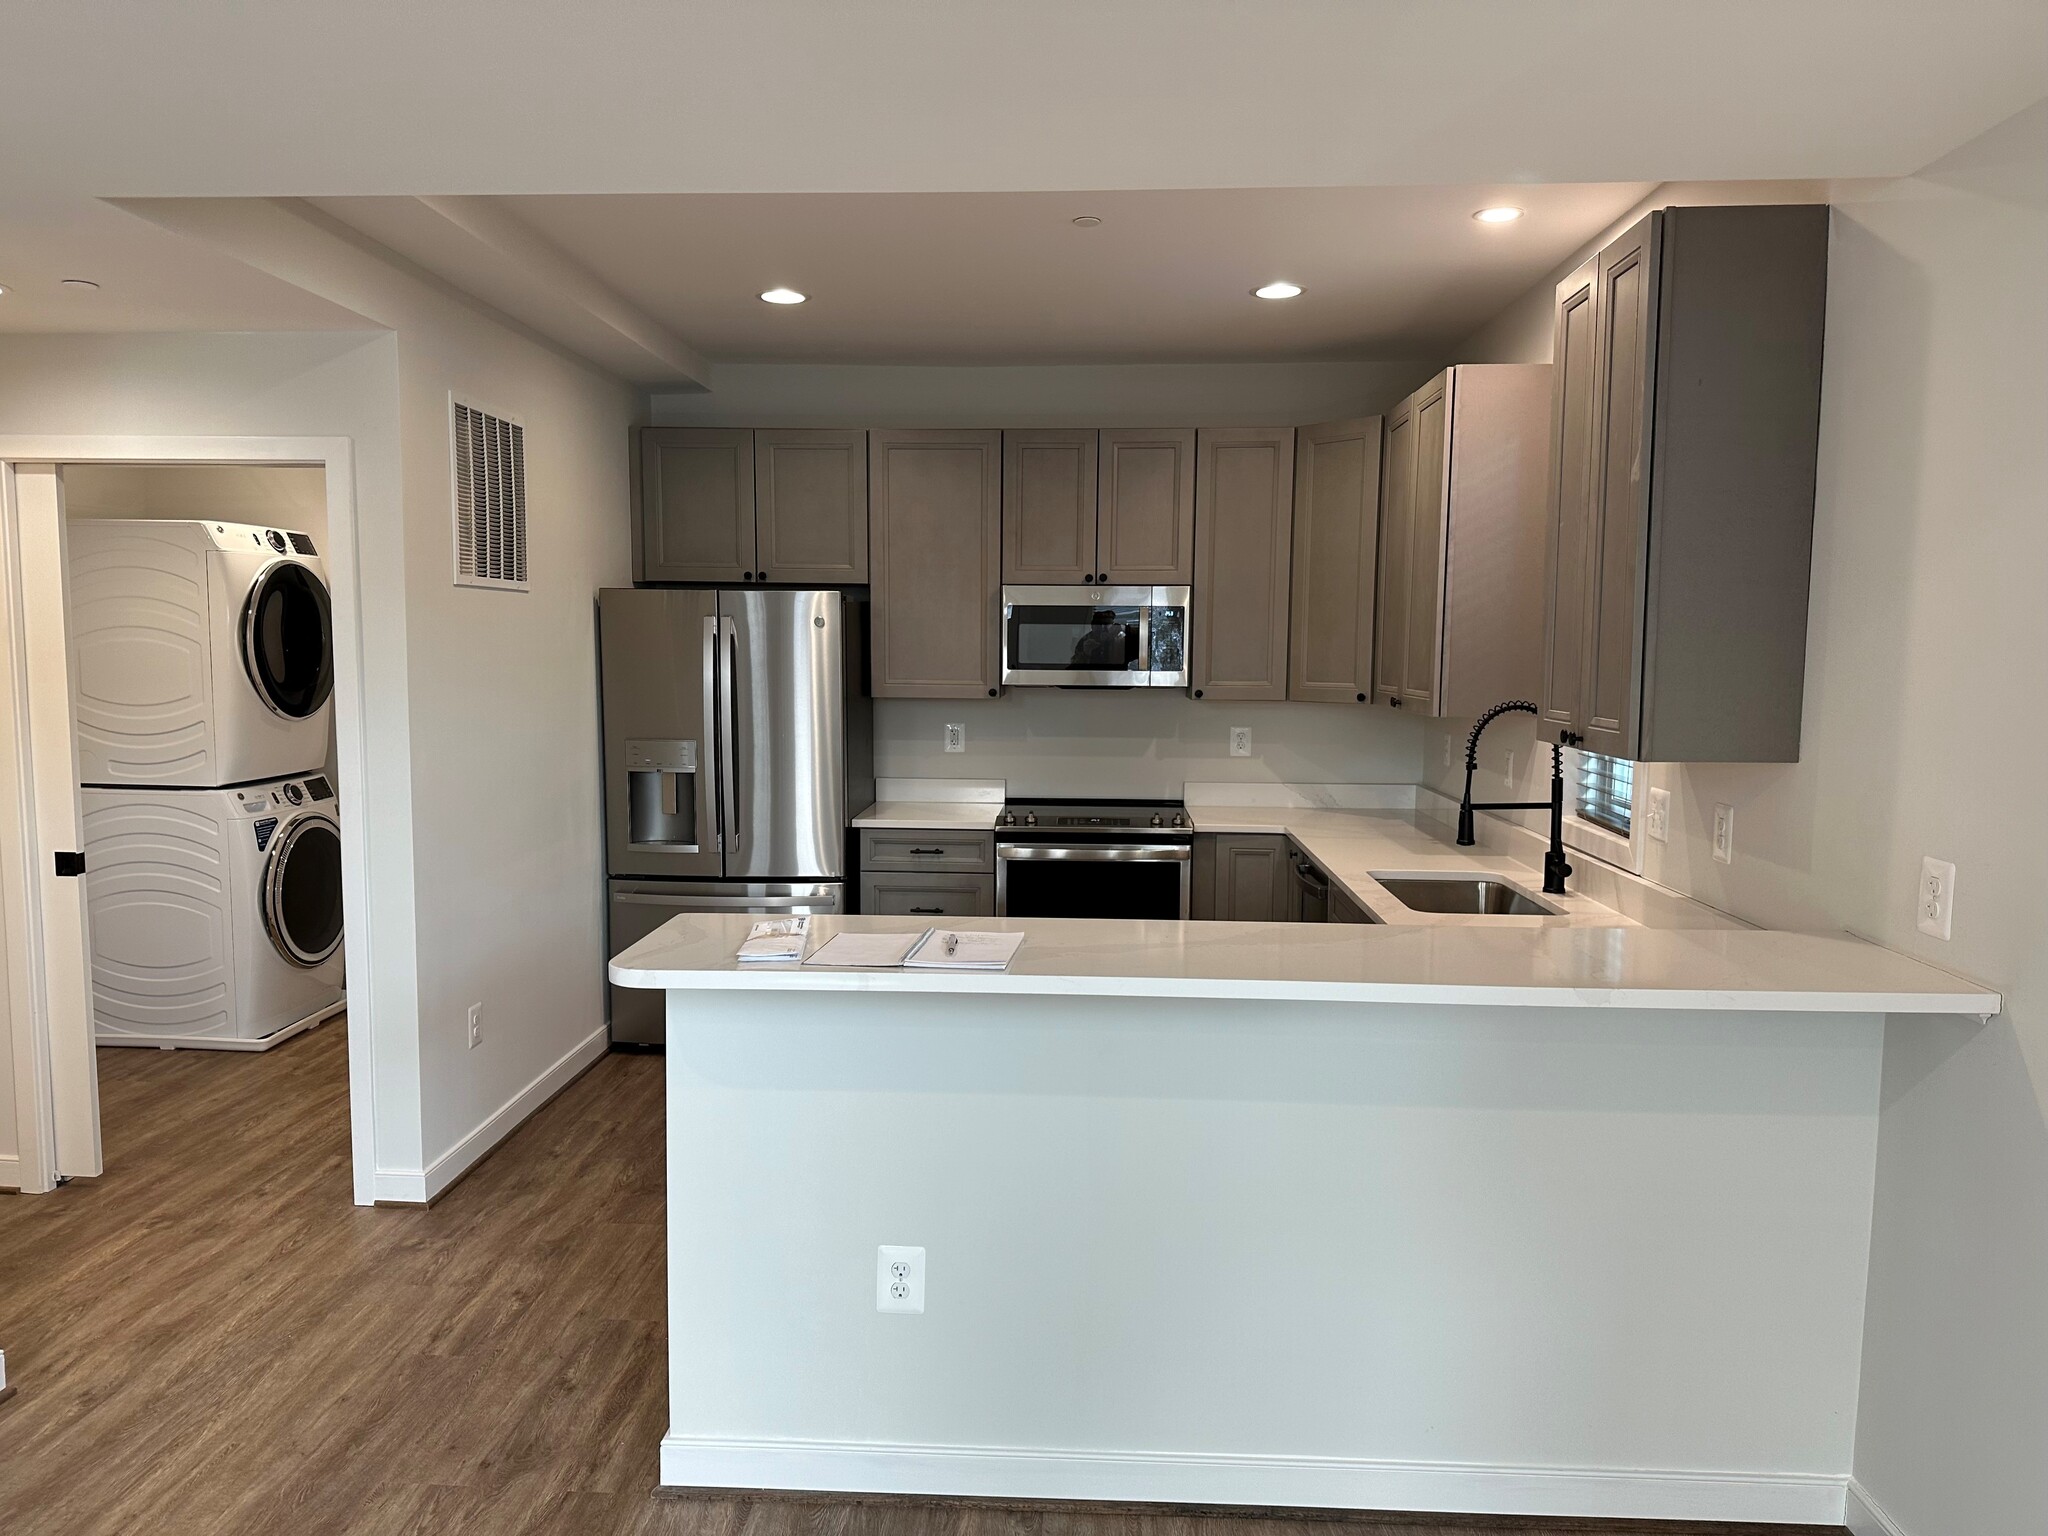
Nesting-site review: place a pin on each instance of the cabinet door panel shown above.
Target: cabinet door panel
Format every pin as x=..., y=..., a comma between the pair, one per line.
x=1049, y=507
x=935, y=562
x=1244, y=489
x=696, y=505
x=1574, y=474
x=1397, y=517
x=1336, y=544
x=1625, y=307
x=1254, y=879
x=811, y=506
x=1147, y=531
x=1422, y=650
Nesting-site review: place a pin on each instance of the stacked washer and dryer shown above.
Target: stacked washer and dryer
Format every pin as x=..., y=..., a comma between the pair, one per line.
x=204, y=664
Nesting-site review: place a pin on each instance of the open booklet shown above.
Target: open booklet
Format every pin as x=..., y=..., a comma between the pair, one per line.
x=935, y=949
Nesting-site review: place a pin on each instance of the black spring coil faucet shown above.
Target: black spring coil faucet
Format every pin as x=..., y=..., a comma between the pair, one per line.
x=1554, y=866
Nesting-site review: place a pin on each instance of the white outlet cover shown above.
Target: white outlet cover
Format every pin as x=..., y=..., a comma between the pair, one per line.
x=1657, y=819
x=1724, y=834
x=1935, y=900
x=1240, y=741
x=956, y=738
x=899, y=1279
x=476, y=1025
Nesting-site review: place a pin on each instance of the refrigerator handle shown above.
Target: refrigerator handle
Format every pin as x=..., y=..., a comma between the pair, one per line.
x=729, y=736
x=715, y=747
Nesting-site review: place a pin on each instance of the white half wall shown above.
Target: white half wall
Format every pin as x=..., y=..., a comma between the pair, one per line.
x=1923, y=733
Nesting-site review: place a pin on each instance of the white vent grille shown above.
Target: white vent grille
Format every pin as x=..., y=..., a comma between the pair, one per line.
x=490, y=499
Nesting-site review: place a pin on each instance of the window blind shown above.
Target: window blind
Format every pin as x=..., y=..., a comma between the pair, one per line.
x=1606, y=791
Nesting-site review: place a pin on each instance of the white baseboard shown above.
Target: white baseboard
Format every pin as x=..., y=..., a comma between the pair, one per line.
x=406, y=1186
x=1002, y=1472
x=1864, y=1516
x=10, y=1172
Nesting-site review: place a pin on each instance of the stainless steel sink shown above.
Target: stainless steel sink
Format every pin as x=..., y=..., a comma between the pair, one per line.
x=1479, y=895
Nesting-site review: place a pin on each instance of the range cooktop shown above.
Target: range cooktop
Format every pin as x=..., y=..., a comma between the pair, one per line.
x=1097, y=817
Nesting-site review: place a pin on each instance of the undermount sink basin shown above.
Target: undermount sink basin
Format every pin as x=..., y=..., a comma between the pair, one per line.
x=1477, y=895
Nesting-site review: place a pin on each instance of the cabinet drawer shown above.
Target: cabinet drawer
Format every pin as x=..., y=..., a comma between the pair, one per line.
x=953, y=851
x=910, y=895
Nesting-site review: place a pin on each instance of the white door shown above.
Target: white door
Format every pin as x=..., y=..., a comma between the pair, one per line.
x=49, y=938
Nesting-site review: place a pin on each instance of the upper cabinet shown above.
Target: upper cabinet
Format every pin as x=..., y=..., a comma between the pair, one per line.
x=1687, y=424
x=1459, y=620
x=811, y=506
x=935, y=562
x=696, y=503
x=1086, y=508
x=1336, y=541
x=1146, y=535
x=752, y=506
x=1244, y=518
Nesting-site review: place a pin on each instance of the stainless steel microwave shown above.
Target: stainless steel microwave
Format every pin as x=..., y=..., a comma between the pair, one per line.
x=1096, y=637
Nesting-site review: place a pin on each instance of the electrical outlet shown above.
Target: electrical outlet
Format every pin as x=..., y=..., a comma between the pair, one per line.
x=1450, y=751
x=476, y=1025
x=1511, y=768
x=1937, y=897
x=1657, y=818
x=1724, y=834
x=899, y=1279
x=1240, y=741
x=956, y=738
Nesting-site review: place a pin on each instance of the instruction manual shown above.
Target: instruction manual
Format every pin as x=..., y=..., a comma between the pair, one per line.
x=882, y=951
x=944, y=950
x=780, y=939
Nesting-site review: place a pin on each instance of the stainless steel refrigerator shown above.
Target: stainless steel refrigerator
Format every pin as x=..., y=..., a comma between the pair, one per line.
x=738, y=741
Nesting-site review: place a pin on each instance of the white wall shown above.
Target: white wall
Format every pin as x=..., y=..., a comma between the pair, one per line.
x=1923, y=735
x=1057, y=742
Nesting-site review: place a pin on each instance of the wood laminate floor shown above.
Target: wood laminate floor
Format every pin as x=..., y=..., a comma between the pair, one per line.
x=211, y=1340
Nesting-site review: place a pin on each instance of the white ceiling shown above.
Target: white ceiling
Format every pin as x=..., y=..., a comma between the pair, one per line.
x=136, y=98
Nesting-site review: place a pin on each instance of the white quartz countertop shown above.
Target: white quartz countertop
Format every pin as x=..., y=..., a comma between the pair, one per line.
x=1564, y=967
x=930, y=815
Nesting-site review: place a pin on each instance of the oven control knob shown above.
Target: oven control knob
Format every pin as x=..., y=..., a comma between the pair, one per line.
x=1156, y=821
x=1009, y=818
x=1179, y=820
x=1031, y=818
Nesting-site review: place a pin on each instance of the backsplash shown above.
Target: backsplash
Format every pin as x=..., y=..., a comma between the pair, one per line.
x=1141, y=743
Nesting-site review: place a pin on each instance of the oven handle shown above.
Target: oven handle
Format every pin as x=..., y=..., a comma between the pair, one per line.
x=1099, y=853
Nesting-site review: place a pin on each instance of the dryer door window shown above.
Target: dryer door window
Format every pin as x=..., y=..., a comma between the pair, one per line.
x=302, y=889
x=288, y=640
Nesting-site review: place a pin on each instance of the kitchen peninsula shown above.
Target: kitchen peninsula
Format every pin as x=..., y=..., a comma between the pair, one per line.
x=1532, y=1216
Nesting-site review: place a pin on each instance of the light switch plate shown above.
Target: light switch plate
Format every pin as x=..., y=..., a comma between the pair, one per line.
x=1657, y=819
x=1724, y=834
x=956, y=738
x=1936, y=899
x=1240, y=741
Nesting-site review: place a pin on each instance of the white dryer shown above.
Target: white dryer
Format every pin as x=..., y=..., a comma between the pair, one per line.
x=204, y=652
x=215, y=913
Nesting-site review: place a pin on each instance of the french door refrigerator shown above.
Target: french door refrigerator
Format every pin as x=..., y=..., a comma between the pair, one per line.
x=738, y=741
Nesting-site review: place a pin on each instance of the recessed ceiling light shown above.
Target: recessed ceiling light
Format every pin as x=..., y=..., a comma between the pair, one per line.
x=1086, y=221
x=1498, y=215
x=78, y=284
x=1280, y=290
x=782, y=296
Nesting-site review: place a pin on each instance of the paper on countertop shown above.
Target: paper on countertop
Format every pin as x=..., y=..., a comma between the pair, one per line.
x=872, y=950
x=779, y=939
x=945, y=950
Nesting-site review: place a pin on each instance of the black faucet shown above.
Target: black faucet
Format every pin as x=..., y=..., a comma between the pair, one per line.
x=1554, y=866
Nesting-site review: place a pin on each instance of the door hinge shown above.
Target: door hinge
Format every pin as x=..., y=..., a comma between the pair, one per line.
x=70, y=863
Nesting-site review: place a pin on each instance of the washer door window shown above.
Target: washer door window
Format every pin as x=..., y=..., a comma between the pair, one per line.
x=302, y=889
x=288, y=640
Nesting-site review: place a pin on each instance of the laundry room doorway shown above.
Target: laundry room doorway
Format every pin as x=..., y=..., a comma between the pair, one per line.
x=179, y=637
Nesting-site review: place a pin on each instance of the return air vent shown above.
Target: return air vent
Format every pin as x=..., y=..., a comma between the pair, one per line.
x=490, y=499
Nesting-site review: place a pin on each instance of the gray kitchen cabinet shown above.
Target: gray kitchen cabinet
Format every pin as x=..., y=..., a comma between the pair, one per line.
x=1681, y=518
x=1459, y=624
x=1145, y=536
x=1343, y=909
x=811, y=506
x=1242, y=878
x=925, y=851
x=1244, y=520
x=935, y=562
x=918, y=895
x=1049, y=505
x=695, y=506
x=1336, y=544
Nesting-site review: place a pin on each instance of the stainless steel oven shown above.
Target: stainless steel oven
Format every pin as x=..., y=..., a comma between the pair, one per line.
x=1089, y=858
x=1096, y=637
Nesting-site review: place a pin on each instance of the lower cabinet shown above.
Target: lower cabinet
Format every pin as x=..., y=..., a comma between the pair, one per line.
x=1344, y=910
x=1244, y=878
x=921, y=895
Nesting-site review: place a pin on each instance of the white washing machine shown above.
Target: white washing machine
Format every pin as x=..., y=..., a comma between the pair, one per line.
x=204, y=652
x=215, y=913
